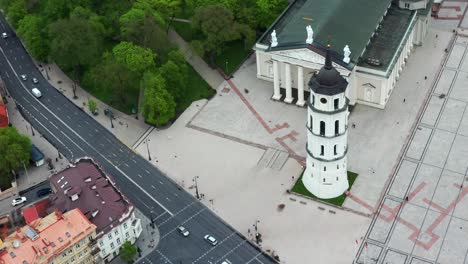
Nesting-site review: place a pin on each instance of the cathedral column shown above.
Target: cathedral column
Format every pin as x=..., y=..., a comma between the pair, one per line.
x=289, y=97
x=276, y=84
x=300, y=86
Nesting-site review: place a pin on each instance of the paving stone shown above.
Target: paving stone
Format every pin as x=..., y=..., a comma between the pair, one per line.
x=439, y=148
x=395, y=257
x=456, y=56
x=432, y=111
x=419, y=143
x=452, y=115
x=457, y=159
x=402, y=179
x=445, y=81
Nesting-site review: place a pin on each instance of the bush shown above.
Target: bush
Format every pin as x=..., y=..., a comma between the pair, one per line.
x=93, y=107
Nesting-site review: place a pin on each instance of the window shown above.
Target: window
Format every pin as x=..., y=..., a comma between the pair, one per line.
x=125, y=225
x=126, y=234
x=116, y=232
x=313, y=99
x=103, y=252
x=336, y=178
x=311, y=123
x=64, y=254
x=324, y=168
x=337, y=127
x=80, y=255
x=78, y=245
x=337, y=167
x=112, y=245
x=85, y=250
x=323, y=100
x=70, y=250
x=118, y=241
x=101, y=243
x=407, y=5
x=336, y=102
x=109, y=236
x=323, y=179
x=334, y=151
x=322, y=128
x=72, y=259
x=322, y=150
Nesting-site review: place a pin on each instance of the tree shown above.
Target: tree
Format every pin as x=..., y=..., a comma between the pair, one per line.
x=31, y=30
x=158, y=104
x=128, y=252
x=135, y=58
x=175, y=79
x=75, y=44
x=218, y=26
x=14, y=149
x=268, y=11
x=16, y=12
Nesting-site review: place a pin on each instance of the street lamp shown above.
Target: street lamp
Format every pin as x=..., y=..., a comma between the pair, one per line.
x=196, y=187
x=226, y=67
x=151, y=216
x=25, y=170
x=257, y=235
x=32, y=130
x=147, y=147
x=47, y=73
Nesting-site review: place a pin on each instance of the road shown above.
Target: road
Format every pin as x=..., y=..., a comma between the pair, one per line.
x=76, y=134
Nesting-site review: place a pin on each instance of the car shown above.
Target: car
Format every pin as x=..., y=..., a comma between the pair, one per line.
x=183, y=231
x=35, y=80
x=210, y=239
x=4, y=35
x=18, y=201
x=43, y=192
x=36, y=92
x=24, y=77
x=226, y=262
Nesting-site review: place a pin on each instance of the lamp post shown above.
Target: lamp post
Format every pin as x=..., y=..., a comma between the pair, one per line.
x=151, y=216
x=257, y=235
x=147, y=148
x=112, y=124
x=47, y=73
x=25, y=170
x=227, y=68
x=196, y=187
x=32, y=130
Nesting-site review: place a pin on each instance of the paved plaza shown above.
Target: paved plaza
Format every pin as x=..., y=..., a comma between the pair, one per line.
x=424, y=215
x=243, y=111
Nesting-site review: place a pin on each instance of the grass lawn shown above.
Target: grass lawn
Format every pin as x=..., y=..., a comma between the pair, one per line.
x=199, y=89
x=301, y=189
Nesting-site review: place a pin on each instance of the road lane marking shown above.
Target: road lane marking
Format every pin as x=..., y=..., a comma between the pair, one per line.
x=255, y=258
x=212, y=248
x=83, y=140
x=160, y=182
x=152, y=186
x=126, y=165
x=147, y=171
x=167, y=198
x=140, y=175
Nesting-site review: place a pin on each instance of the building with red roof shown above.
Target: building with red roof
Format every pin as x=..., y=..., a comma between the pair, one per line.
x=4, y=121
x=86, y=186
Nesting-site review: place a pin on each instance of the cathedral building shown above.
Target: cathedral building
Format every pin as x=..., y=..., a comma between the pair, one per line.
x=370, y=40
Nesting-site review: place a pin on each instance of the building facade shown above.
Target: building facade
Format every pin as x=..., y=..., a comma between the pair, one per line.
x=86, y=186
x=327, y=124
x=371, y=41
x=54, y=239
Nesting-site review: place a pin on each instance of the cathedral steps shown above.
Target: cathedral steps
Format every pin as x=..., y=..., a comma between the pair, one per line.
x=273, y=159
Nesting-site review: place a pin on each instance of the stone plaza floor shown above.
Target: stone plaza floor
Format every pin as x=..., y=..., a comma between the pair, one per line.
x=243, y=111
x=424, y=214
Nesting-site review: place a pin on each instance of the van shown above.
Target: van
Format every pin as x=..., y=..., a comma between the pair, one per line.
x=36, y=92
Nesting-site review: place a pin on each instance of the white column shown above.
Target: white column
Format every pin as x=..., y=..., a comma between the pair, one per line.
x=300, y=86
x=257, y=57
x=276, y=84
x=289, y=97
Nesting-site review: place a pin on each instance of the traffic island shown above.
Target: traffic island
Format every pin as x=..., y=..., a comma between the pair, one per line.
x=300, y=189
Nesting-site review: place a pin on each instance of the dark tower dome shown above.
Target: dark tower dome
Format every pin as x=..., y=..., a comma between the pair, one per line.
x=328, y=81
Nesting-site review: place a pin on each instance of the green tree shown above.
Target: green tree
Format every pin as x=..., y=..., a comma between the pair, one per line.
x=14, y=148
x=268, y=11
x=128, y=252
x=217, y=24
x=16, y=12
x=175, y=80
x=135, y=58
x=75, y=45
x=158, y=104
x=31, y=30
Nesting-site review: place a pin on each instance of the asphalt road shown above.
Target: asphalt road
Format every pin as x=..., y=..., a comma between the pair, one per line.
x=75, y=134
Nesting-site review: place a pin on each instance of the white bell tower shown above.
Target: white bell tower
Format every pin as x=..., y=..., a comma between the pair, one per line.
x=327, y=131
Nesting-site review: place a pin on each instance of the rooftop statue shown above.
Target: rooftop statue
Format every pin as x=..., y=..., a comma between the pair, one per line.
x=346, y=53
x=310, y=35
x=274, y=40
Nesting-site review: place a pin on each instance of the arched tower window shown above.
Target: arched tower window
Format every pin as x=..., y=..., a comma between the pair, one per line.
x=313, y=99
x=311, y=123
x=336, y=103
x=322, y=128
x=322, y=150
x=337, y=127
x=335, y=150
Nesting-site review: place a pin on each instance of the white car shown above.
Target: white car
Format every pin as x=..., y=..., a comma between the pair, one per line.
x=211, y=240
x=4, y=35
x=23, y=77
x=226, y=262
x=35, y=80
x=36, y=92
x=18, y=201
x=183, y=231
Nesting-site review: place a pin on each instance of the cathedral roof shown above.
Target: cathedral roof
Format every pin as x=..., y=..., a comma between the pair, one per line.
x=328, y=81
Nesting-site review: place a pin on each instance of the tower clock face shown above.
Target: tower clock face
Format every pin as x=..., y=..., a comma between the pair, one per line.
x=323, y=100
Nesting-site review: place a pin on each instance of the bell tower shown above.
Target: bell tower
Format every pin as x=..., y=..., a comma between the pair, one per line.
x=327, y=131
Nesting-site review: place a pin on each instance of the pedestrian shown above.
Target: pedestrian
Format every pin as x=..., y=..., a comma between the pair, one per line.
x=437, y=35
x=353, y=125
x=425, y=77
x=404, y=100
x=293, y=178
x=407, y=198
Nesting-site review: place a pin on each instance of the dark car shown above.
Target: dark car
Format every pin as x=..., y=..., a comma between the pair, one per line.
x=43, y=192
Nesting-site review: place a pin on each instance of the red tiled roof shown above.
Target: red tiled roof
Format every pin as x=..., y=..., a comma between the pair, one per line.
x=86, y=186
x=36, y=211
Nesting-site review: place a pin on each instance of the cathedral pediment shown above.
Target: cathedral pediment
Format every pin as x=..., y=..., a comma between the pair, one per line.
x=303, y=57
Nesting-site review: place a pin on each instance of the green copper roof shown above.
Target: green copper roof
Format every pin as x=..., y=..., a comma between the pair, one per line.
x=340, y=22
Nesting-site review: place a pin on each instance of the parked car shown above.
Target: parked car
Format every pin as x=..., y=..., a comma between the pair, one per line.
x=24, y=77
x=4, y=35
x=226, y=262
x=211, y=240
x=43, y=192
x=18, y=201
x=183, y=231
x=36, y=92
x=35, y=80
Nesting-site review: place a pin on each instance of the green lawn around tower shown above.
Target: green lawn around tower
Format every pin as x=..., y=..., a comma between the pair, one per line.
x=299, y=188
